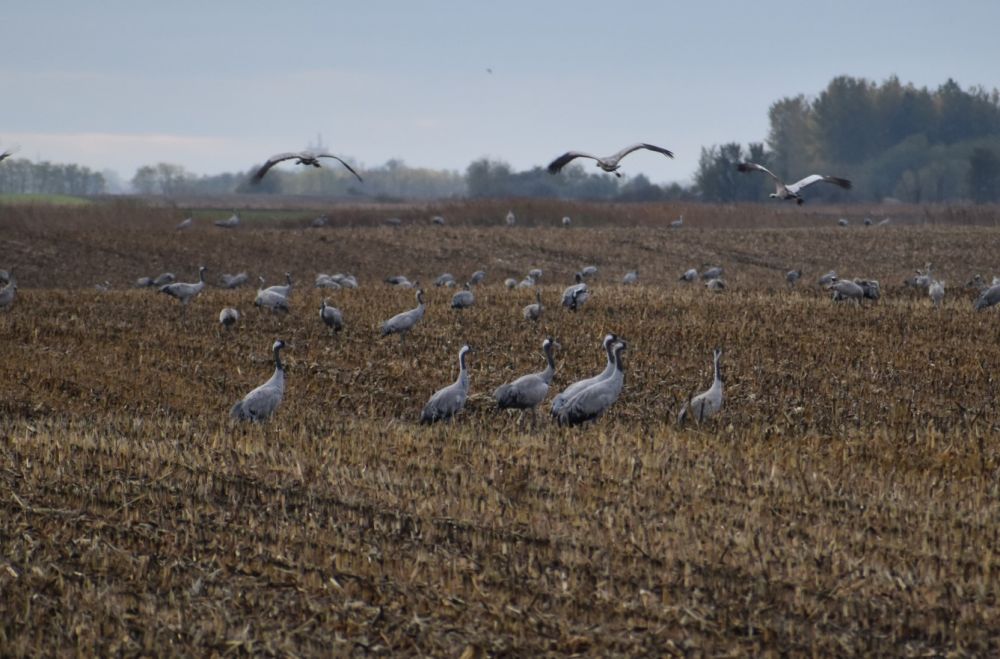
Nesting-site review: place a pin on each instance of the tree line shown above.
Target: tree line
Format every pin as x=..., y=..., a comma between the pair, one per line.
x=19, y=176
x=893, y=140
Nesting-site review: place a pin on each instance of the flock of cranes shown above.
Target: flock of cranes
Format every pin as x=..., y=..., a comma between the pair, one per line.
x=580, y=402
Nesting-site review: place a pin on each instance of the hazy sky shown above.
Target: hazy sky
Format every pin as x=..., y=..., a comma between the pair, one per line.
x=218, y=86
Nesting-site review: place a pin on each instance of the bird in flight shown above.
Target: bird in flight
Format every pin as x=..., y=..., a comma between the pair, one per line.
x=782, y=191
x=608, y=163
x=7, y=153
x=301, y=158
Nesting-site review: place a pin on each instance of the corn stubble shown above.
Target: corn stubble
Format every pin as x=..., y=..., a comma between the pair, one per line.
x=844, y=501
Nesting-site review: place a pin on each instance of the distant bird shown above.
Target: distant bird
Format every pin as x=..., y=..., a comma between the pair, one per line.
x=301, y=158
x=574, y=296
x=609, y=163
x=393, y=221
x=463, y=299
x=868, y=222
x=510, y=282
x=4, y=277
x=260, y=404
x=842, y=221
x=593, y=401
x=445, y=279
x=870, y=288
x=229, y=317
x=528, y=391
x=922, y=277
x=7, y=154
x=828, y=278
x=535, y=273
x=143, y=282
x=510, y=219
x=566, y=394
x=345, y=281
x=163, y=279
x=331, y=316
x=589, y=271
x=689, y=275
x=631, y=277
x=285, y=290
x=7, y=295
x=399, y=281
x=534, y=311
x=336, y=281
x=477, y=277
x=988, y=298
x=403, y=322
x=977, y=282
x=678, y=223
x=103, y=287
x=884, y=222
x=980, y=284
x=845, y=289
x=708, y=403
x=715, y=285
x=438, y=220
x=527, y=282
x=782, y=191
x=793, y=276
x=447, y=402
x=714, y=272
x=320, y=222
x=567, y=222
x=185, y=224
x=268, y=299
x=234, y=281
x=936, y=292
x=231, y=222
x=185, y=291
x=324, y=280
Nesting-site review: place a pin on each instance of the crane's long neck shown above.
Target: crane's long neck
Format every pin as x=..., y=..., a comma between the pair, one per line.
x=278, y=366
x=611, y=358
x=619, y=366
x=463, y=371
x=201, y=276
x=550, y=364
x=716, y=380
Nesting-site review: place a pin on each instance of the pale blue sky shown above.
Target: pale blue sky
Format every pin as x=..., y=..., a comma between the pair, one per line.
x=219, y=85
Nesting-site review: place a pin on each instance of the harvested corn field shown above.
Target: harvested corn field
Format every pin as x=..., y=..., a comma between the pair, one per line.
x=845, y=499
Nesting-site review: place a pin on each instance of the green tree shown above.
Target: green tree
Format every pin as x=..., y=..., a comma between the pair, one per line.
x=790, y=136
x=717, y=178
x=845, y=121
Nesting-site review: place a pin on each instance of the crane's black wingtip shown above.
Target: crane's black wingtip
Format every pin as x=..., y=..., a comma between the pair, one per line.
x=743, y=167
